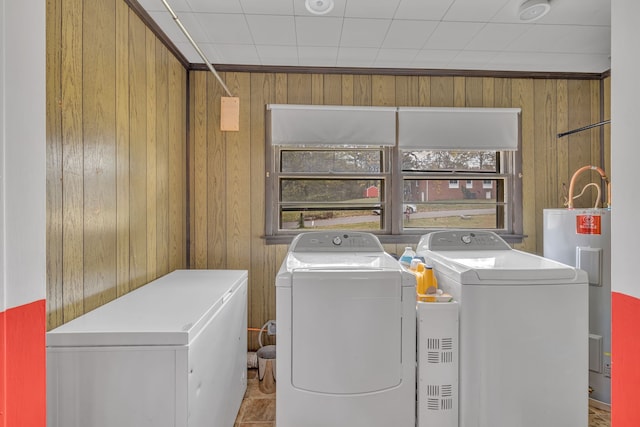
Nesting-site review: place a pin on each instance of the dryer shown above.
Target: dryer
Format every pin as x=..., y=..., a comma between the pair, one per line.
x=523, y=331
x=346, y=313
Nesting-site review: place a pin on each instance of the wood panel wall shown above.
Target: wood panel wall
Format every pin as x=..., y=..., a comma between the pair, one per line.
x=116, y=156
x=227, y=172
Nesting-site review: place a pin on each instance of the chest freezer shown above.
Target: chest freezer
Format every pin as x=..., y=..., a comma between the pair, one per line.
x=169, y=354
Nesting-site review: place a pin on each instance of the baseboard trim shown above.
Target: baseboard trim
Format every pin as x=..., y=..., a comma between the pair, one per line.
x=599, y=405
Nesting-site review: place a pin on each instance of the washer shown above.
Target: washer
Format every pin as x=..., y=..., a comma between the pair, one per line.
x=523, y=331
x=346, y=313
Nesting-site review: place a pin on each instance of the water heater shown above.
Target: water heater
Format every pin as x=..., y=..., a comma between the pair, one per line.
x=582, y=238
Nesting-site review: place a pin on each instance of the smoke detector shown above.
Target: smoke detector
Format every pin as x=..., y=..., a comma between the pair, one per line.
x=319, y=7
x=532, y=10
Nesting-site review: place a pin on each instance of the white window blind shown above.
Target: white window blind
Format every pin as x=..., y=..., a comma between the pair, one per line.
x=332, y=125
x=481, y=129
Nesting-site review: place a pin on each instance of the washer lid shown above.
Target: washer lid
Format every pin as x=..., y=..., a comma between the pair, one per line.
x=503, y=267
x=171, y=310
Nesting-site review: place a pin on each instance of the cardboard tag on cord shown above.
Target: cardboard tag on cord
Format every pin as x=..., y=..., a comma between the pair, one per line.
x=229, y=113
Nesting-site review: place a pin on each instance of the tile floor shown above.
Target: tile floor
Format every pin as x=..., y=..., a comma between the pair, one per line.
x=259, y=409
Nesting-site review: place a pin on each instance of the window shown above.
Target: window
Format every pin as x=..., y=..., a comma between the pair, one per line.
x=391, y=171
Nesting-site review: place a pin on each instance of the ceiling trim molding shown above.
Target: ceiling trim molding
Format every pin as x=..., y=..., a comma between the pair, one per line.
x=433, y=72
x=162, y=36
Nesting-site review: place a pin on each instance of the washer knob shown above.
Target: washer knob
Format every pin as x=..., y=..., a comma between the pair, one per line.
x=337, y=241
x=466, y=239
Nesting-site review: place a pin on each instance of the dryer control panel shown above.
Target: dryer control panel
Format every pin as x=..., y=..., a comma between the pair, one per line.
x=456, y=240
x=336, y=241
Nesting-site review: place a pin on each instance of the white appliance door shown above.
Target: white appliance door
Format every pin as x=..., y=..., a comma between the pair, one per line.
x=346, y=331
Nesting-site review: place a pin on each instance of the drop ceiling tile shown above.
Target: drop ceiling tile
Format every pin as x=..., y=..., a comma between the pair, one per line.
x=317, y=56
x=497, y=36
x=364, y=32
x=474, y=10
x=356, y=57
x=472, y=59
x=300, y=10
x=563, y=38
x=433, y=58
x=241, y=54
x=277, y=55
x=215, y=6
x=453, y=35
x=395, y=58
x=262, y=7
x=272, y=29
x=570, y=12
x=190, y=53
x=171, y=29
x=318, y=31
x=406, y=34
x=432, y=10
x=371, y=9
x=225, y=28
x=157, y=5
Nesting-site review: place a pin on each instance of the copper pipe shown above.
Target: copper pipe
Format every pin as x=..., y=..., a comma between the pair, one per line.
x=578, y=172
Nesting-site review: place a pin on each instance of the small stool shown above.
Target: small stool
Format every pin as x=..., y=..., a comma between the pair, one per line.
x=267, y=369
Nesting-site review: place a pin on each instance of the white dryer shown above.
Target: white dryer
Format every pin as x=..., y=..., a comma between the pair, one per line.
x=346, y=313
x=523, y=331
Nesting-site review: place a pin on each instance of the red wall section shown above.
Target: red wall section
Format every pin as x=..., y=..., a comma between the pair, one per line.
x=625, y=361
x=24, y=385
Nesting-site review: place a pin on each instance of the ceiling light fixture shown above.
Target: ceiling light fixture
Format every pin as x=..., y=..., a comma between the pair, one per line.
x=319, y=7
x=532, y=10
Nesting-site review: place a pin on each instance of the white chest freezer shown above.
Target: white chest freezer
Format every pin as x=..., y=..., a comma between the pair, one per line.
x=169, y=354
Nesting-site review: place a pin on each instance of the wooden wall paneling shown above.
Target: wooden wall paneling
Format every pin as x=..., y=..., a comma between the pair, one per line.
x=441, y=92
x=281, y=88
x=99, y=121
x=198, y=190
x=216, y=175
x=424, y=91
x=123, y=278
x=459, y=91
x=238, y=176
x=177, y=165
x=362, y=90
x=191, y=180
x=332, y=89
x=522, y=94
x=263, y=268
x=152, y=197
x=299, y=89
x=347, y=90
x=72, y=172
x=545, y=150
x=54, y=164
x=488, y=92
x=562, y=144
x=580, y=143
x=502, y=93
x=383, y=90
x=597, y=143
x=138, y=152
x=474, y=92
x=407, y=91
x=317, y=89
x=607, y=128
x=162, y=160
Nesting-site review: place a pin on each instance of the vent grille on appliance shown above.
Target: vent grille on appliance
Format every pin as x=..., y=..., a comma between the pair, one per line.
x=440, y=397
x=433, y=344
x=443, y=350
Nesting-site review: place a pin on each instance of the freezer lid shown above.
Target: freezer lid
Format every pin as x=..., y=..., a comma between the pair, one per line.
x=503, y=267
x=171, y=310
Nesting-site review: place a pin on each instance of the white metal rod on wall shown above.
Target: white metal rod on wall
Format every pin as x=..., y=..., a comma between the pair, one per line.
x=195, y=46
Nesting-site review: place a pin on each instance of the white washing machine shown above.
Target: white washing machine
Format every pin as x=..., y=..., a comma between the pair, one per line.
x=346, y=313
x=523, y=331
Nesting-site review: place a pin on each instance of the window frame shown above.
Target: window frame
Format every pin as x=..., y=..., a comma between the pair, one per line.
x=393, y=230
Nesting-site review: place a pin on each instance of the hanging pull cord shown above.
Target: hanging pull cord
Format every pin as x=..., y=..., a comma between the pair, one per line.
x=195, y=46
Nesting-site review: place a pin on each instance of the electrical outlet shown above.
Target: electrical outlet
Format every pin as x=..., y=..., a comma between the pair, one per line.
x=271, y=327
x=607, y=369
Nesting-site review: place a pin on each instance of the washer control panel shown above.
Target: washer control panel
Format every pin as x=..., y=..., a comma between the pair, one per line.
x=336, y=241
x=459, y=240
